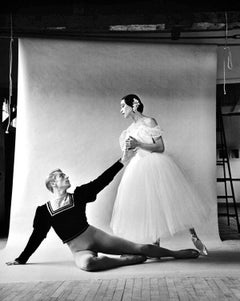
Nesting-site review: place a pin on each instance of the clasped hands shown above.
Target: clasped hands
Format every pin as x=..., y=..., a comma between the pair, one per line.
x=130, y=149
x=131, y=143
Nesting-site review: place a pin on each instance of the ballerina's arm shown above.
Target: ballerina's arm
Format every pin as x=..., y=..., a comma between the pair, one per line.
x=157, y=146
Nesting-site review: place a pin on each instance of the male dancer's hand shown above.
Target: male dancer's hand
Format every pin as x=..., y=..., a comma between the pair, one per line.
x=14, y=262
x=127, y=155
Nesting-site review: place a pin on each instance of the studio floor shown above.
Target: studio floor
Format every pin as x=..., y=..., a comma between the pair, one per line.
x=214, y=277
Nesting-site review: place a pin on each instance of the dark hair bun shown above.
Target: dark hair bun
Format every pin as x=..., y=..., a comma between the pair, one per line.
x=129, y=100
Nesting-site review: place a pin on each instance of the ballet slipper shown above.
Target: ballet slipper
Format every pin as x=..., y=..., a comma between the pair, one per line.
x=199, y=245
x=134, y=258
x=187, y=254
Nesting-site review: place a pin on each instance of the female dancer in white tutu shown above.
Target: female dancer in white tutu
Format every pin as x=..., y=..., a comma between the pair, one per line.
x=154, y=198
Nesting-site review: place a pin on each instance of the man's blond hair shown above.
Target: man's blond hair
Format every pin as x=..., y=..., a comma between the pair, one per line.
x=51, y=178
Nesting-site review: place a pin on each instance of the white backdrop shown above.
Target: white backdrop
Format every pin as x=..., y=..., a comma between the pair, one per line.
x=68, y=116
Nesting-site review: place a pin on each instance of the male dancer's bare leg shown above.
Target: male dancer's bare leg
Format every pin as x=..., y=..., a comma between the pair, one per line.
x=132, y=253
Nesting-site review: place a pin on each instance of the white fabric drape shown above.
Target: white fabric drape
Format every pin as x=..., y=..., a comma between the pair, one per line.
x=68, y=117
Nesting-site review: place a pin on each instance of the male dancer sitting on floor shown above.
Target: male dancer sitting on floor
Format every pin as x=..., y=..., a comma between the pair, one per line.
x=66, y=214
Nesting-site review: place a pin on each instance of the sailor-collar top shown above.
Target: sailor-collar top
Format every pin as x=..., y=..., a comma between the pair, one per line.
x=69, y=220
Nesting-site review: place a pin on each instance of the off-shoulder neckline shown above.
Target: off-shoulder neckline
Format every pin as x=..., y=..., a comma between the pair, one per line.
x=143, y=125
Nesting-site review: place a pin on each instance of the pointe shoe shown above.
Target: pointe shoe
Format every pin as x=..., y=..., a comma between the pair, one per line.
x=187, y=254
x=199, y=245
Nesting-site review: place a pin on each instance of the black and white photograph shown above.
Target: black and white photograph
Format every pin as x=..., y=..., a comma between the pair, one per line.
x=120, y=171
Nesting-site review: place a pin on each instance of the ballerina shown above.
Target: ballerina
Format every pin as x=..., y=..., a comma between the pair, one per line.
x=154, y=198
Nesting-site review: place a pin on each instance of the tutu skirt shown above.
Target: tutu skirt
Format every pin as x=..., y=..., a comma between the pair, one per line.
x=155, y=200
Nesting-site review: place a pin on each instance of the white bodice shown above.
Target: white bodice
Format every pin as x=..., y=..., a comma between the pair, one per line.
x=141, y=132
